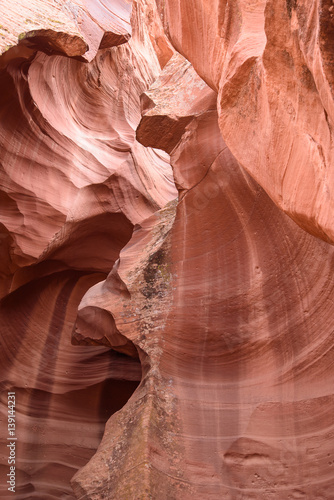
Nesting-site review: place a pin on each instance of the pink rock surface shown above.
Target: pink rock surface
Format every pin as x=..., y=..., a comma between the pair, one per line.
x=166, y=327
x=222, y=304
x=271, y=63
x=74, y=182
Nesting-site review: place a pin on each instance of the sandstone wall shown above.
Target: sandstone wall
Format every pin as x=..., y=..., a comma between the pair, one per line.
x=166, y=248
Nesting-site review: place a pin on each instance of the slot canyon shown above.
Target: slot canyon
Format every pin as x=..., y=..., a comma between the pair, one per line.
x=166, y=249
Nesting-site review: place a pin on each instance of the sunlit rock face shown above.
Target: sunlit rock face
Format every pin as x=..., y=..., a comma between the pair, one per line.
x=166, y=327
x=74, y=28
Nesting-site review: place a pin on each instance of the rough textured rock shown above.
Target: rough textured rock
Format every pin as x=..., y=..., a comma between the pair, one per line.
x=159, y=296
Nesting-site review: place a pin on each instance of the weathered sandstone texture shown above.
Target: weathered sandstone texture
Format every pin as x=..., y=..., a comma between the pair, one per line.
x=166, y=249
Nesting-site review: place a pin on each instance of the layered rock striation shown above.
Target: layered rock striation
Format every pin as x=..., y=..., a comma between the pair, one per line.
x=166, y=231
x=74, y=183
x=228, y=400
x=271, y=64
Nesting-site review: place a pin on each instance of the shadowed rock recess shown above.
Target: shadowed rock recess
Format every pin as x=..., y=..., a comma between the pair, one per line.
x=166, y=244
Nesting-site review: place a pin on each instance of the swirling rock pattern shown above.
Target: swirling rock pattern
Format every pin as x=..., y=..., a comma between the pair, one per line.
x=74, y=183
x=231, y=354
x=162, y=297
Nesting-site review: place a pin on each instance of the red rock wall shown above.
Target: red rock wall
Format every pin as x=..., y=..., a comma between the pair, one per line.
x=173, y=268
x=271, y=64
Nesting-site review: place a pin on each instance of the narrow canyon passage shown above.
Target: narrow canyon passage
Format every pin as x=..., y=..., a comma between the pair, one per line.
x=74, y=183
x=53, y=382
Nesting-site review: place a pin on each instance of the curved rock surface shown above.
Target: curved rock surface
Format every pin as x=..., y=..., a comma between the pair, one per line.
x=74, y=183
x=271, y=63
x=166, y=327
x=222, y=305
